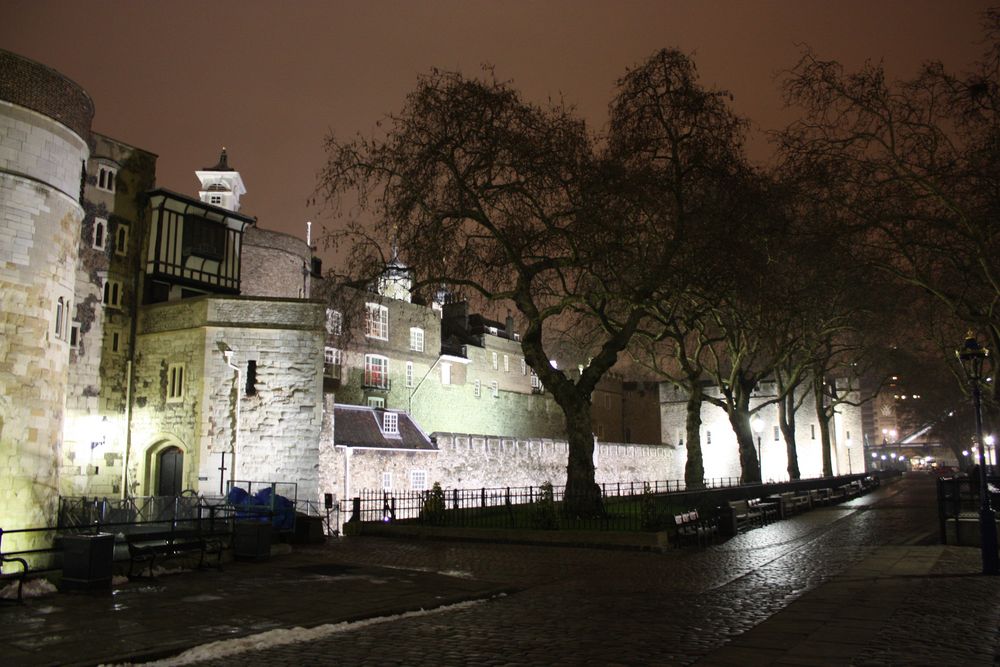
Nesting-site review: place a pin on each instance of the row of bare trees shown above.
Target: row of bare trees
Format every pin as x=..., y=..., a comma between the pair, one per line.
x=654, y=240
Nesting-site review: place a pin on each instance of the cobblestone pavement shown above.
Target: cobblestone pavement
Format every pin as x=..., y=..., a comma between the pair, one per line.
x=587, y=606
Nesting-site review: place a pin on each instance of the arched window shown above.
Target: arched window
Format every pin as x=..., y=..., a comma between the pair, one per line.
x=100, y=232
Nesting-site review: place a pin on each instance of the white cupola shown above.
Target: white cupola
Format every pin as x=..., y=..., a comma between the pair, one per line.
x=221, y=185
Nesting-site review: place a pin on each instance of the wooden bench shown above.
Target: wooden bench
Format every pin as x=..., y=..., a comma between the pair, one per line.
x=793, y=503
x=19, y=576
x=821, y=496
x=769, y=510
x=689, y=528
x=744, y=517
x=146, y=547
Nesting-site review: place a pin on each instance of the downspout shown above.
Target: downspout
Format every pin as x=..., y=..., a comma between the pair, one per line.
x=235, y=441
x=128, y=428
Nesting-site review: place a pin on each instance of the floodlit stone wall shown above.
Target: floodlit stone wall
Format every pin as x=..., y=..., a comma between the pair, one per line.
x=41, y=156
x=274, y=264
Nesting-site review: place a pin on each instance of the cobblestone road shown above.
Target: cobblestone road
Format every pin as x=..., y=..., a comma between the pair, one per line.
x=589, y=606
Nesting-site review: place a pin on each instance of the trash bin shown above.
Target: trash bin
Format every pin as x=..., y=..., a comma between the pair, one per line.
x=88, y=561
x=252, y=540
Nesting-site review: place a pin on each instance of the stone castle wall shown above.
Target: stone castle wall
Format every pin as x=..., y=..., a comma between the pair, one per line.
x=274, y=264
x=41, y=158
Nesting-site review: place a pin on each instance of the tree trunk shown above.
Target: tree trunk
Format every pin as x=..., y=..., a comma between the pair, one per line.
x=824, y=423
x=739, y=418
x=583, y=496
x=786, y=420
x=694, y=469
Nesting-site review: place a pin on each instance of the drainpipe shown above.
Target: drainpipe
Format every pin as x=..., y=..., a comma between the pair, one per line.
x=228, y=355
x=128, y=428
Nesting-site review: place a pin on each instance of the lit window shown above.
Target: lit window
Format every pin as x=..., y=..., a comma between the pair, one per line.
x=106, y=178
x=387, y=481
x=417, y=339
x=175, y=382
x=100, y=233
x=477, y=388
x=506, y=364
x=524, y=367
x=121, y=240
x=418, y=480
x=334, y=322
x=390, y=423
x=494, y=361
x=332, y=356
x=495, y=389
x=377, y=321
x=376, y=371
x=535, y=382
x=409, y=373
x=112, y=293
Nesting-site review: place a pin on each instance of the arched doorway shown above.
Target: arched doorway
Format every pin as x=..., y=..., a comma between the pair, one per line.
x=170, y=472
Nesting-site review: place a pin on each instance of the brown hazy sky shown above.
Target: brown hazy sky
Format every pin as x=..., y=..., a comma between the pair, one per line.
x=269, y=80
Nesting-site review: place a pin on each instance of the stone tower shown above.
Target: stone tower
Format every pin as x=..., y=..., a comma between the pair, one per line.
x=44, y=131
x=221, y=185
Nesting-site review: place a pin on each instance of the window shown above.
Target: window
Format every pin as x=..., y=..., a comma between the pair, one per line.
x=251, y=388
x=493, y=330
x=332, y=356
x=60, y=316
x=376, y=371
x=334, y=322
x=204, y=238
x=535, y=382
x=495, y=389
x=100, y=233
x=524, y=367
x=445, y=373
x=74, y=335
x=477, y=388
x=418, y=480
x=777, y=434
x=387, y=481
x=175, y=382
x=812, y=431
x=506, y=364
x=121, y=240
x=215, y=200
x=376, y=402
x=708, y=437
x=106, y=178
x=390, y=423
x=377, y=321
x=409, y=373
x=115, y=341
x=417, y=339
x=494, y=361
x=112, y=293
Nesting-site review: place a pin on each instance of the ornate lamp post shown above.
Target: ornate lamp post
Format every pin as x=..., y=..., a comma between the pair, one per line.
x=972, y=357
x=758, y=427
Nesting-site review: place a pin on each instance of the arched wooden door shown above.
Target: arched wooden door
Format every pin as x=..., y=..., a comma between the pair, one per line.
x=170, y=469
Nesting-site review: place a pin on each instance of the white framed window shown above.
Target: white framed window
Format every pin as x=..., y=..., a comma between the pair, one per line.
x=387, y=481
x=106, y=178
x=495, y=389
x=506, y=364
x=477, y=388
x=376, y=402
x=418, y=480
x=376, y=321
x=445, y=373
x=417, y=339
x=332, y=356
x=215, y=200
x=112, y=293
x=100, y=233
x=175, y=382
x=334, y=322
x=535, y=382
x=494, y=360
x=62, y=313
x=524, y=366
x=409, y=373
x=376, y=371
x=390, y=423
x=121, y=239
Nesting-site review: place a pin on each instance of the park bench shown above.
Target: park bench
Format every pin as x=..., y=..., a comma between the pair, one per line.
x=689, y=528
x=146, y=547
x=821, y=496
x=769, y=510
x=792, y=503
x=744, y=517
x=18, y=575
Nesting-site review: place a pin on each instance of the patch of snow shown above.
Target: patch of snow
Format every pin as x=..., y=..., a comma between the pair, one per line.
x=460, y=574
x=160, y=571
x=33, y=588
x=119, y=580
x=285, y=636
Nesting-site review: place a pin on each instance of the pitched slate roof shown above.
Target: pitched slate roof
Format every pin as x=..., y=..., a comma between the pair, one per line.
x=360, y=427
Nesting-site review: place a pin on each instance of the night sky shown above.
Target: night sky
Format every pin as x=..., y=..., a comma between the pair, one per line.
x=270, y=80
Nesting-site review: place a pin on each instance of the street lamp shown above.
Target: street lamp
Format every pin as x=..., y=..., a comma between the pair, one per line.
x=972, y=357
x=758, y=427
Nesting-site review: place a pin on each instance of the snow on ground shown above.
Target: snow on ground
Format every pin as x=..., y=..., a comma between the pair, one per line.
x=33, y=588
x=283, y=636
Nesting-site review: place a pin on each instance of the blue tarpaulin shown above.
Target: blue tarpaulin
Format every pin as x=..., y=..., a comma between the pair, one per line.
x=260, y=503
